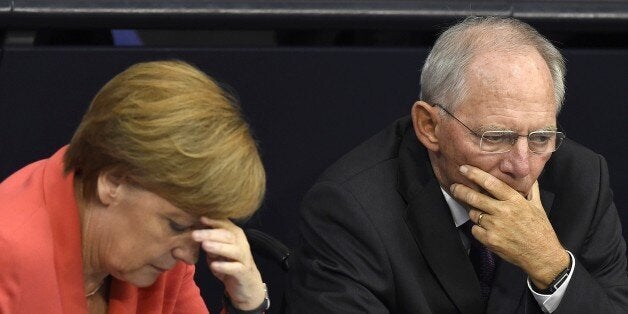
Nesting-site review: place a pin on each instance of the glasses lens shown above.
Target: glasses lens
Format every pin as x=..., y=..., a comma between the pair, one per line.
x=544, y=141
x=497, y=141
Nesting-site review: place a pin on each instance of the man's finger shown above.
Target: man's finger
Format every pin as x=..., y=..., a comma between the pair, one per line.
x=473, y=198
x=474, y=215
x=535, y=195
x=492, y=185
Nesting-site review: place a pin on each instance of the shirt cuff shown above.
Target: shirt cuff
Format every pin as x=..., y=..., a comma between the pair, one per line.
x=549, y=302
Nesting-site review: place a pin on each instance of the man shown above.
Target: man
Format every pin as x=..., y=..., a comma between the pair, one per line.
x=384, y=228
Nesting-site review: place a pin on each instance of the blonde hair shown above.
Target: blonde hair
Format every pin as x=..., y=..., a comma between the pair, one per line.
x=176, y=133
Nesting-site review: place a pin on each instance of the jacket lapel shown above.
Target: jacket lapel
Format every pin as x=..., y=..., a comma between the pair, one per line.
x=431, y=223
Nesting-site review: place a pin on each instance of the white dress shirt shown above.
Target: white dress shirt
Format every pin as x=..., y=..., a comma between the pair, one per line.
x=547, y=302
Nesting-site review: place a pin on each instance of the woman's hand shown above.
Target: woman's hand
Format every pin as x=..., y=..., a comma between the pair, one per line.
x=230, y=260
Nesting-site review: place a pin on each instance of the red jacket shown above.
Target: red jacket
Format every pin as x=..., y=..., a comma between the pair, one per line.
x=41, y=268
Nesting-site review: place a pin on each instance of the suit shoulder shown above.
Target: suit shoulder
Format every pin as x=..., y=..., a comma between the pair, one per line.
x=574, y=156
x=574, y=165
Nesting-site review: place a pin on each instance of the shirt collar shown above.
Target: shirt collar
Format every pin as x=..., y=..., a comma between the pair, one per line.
x=458, y=212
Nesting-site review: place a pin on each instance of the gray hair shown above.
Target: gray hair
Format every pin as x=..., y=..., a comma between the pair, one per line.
x=443, y=75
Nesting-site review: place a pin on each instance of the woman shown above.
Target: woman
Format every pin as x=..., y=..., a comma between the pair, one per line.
x=113, y=222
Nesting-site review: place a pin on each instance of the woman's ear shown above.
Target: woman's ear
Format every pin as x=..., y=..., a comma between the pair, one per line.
x=108, y=186
x=425, y=120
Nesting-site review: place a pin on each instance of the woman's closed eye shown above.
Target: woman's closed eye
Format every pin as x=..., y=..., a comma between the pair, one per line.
x=176, y=227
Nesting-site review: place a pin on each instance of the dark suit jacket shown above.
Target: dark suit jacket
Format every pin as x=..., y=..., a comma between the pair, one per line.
x=378, y=237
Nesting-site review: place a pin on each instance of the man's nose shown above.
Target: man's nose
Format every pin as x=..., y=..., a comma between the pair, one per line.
x=187, y=251
x=517, y=161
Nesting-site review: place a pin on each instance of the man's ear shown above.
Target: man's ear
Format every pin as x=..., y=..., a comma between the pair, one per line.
x=425, y=119
x=108, y=186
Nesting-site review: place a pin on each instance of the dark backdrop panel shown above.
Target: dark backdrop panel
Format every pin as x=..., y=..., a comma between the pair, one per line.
x=307, y=107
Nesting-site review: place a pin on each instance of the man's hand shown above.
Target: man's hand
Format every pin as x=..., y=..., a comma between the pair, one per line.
x=515, y=228
x=230, y=260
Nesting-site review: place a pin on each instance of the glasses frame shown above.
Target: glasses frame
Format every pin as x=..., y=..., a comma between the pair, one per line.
x=560, y=136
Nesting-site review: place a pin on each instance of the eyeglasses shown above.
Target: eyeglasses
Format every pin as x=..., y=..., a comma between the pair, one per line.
x=494, y=142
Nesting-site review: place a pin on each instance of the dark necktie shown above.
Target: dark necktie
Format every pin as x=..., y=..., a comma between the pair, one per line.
x=483, y=261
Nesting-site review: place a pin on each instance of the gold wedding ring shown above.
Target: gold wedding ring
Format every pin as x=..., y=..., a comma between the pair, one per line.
x=480, y=220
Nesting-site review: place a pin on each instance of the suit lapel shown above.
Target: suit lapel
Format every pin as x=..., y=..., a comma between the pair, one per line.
x=431, y=223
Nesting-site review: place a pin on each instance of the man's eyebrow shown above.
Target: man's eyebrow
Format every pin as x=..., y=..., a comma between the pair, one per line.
x=549, y=128
x=502, y=128
x=492, y=127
